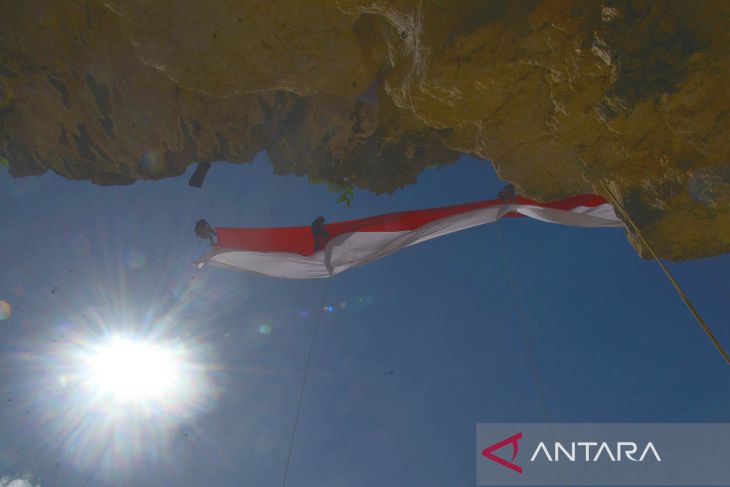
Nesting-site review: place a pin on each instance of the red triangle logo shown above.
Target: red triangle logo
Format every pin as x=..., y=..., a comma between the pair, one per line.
x=487, y=452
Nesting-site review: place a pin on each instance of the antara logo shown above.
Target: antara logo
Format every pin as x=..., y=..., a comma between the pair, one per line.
x=592, y=451
x=621, y=451
x=487, y=452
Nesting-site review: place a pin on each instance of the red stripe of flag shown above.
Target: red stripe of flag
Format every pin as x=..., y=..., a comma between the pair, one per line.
x=299, y=240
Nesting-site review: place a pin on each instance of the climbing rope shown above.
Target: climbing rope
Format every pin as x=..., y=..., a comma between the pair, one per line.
x=522, y=319
x=96, y=462
x=315, y=332
x=304, y=378
x=682, y=295
x=522, y=326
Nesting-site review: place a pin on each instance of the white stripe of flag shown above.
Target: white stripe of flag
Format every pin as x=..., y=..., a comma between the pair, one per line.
x=289, y=252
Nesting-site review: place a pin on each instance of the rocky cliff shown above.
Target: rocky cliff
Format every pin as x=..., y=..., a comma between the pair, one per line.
x=564, y=96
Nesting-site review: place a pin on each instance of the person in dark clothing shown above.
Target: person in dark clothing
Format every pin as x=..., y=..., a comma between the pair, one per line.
x=319, y=233
x=205, y=231
x=508, y=194
x=196, y=180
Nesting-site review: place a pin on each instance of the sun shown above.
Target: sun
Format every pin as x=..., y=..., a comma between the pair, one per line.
x=130, y=370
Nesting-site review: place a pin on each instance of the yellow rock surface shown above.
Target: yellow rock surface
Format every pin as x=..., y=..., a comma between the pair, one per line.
x=563, y=96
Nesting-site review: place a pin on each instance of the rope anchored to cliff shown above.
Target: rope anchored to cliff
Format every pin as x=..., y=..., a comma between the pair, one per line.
x=682, y=295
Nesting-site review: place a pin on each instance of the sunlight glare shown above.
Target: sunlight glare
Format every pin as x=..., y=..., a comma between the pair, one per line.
x=131, y=370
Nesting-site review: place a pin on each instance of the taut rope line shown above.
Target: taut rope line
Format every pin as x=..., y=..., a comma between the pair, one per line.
x=682, y=295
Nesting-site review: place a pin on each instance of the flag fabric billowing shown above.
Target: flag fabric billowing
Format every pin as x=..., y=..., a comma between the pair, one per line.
x=289, y=252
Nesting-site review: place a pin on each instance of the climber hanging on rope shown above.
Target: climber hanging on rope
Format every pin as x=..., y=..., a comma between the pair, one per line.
x=319, y=233
x=507, y=194
x=205, y=231
x=196, y=180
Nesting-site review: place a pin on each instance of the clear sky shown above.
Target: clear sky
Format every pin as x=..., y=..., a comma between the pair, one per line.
x=418, y=347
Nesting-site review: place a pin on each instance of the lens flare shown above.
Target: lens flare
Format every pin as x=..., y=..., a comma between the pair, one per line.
x=135, y=259
x=5, y=310
x=119, y=387
x=107, y=381
x=150, y=162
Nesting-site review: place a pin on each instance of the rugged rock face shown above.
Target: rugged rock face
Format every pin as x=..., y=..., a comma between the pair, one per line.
x=564, y=96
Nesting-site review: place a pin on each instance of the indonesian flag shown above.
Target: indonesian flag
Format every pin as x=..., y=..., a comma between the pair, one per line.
x=289, y=252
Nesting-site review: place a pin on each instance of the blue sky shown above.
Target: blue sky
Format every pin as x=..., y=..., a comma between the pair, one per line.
x=419, y=347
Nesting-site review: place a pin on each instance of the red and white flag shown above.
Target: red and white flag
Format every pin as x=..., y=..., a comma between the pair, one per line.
x=289, y=252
